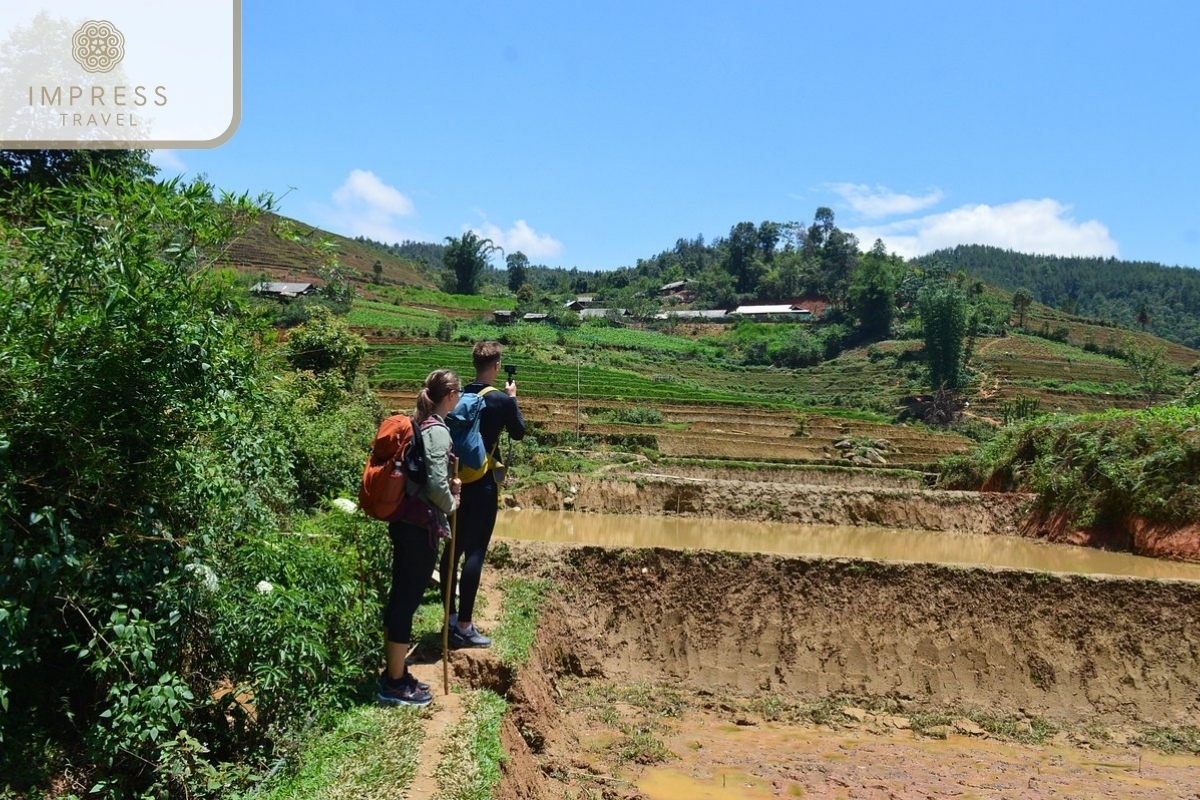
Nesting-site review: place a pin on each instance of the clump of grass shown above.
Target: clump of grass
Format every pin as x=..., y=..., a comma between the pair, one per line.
x=640, y=746
x=369, y=752
x=518, y=618
x=1172, y=740
x=469, y=768
x=662, y=701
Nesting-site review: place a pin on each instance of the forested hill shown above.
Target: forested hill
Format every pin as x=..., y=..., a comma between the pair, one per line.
x=1132, y=294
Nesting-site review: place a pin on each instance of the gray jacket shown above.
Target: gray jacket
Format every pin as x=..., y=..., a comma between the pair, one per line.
x=438, y=454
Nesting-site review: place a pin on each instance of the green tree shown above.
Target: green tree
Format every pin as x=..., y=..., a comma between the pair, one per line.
x=835, y=251
x=715, y=288
x=325, y=344
x=1143, y=315
x=51, y=168
x=943, y=311
x=792, y=274
x=119, y=345
x=1022, y=298
x=467, y=259
x=1152, y=368
x=377, y=268
x=518, y=270
x=769, y=234
x=872, y=293
x=741, y=257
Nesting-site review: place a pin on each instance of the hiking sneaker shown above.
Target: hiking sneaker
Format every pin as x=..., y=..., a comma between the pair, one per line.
x=408, y=676
x=471, y=637
x=405, y=692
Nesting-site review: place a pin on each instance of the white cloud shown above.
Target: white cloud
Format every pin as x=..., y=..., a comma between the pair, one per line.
x=1043, y=227
x=520, y=237
x=363, y=189
x=366, y=206
x=167, y=161
x=883, y=202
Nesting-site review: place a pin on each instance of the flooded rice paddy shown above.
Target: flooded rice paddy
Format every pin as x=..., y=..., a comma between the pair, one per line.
x=831, y=541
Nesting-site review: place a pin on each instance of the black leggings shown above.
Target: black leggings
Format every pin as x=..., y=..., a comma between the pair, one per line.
x=473, y=534
x=413, y=560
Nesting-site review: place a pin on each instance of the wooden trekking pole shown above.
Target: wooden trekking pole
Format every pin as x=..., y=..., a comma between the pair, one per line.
x=448, y=581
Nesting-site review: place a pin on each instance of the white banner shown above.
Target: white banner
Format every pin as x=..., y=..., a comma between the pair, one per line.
x=120, y=73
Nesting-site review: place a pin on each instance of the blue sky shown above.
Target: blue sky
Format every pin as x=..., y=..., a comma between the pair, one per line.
x=591, y=135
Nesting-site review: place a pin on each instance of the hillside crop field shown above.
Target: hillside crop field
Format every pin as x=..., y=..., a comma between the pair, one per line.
x=281, y=248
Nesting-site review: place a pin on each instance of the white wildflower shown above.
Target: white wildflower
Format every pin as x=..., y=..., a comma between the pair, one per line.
x=205, y=574
x=265, y=587
x=345, y=505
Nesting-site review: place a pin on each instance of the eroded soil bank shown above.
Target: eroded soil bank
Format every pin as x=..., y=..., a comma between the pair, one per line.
x=735, y=632
x=845, y=497
x=898, y=505
x=1132, y=534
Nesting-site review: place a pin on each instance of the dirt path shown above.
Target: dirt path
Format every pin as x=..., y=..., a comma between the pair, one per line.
x=467, y=670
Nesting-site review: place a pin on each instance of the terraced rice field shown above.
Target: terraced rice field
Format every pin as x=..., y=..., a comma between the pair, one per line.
x=732, y=432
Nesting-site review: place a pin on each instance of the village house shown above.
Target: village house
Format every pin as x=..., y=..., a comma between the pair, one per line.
x=765, y=311
x=678, y=291
x=282, y=291
x=602, y=313
x=579, y=303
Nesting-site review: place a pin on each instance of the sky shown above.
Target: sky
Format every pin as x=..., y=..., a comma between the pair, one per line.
x=592, y=135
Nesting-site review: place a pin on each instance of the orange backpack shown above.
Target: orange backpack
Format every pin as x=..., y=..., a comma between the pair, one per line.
x=382, y=491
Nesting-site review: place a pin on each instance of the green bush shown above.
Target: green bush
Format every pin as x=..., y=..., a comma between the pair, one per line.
x=1101, y=468
x=149, y=455
x=325, y=344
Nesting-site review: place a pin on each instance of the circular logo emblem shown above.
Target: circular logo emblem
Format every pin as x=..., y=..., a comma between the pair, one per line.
x=98, y=46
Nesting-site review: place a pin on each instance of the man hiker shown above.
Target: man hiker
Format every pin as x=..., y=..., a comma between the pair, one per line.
x=480, y=494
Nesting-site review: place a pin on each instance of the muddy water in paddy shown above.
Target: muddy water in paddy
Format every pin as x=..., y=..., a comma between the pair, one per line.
x=737, y=616
x=831, y=541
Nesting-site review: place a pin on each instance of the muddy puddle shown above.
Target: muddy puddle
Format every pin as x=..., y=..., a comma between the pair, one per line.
x=711, y=758
x=829, y=541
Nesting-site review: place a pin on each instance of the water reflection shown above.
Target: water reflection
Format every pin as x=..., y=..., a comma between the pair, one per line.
x=889, y=544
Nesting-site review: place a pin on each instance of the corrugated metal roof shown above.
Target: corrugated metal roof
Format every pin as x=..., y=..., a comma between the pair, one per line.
x=764, y=310
x=693, y=314
x=286, y=289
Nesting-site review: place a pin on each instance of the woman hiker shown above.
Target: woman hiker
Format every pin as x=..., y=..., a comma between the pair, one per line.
x=416, y=536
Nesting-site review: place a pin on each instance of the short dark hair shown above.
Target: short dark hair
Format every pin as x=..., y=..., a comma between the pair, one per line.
x=485, y=354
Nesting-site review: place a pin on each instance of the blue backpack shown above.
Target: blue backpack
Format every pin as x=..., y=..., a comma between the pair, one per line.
x=463, y=423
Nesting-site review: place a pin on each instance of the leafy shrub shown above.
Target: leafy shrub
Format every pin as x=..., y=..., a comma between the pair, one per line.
x=325, y=344
x=293, y=625
x=637, y=415
x=960, y=472
x=1101, y=468
x=148, y=454
x=328, y=430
